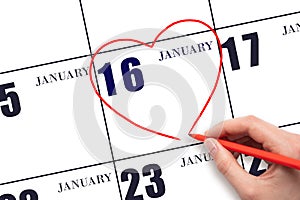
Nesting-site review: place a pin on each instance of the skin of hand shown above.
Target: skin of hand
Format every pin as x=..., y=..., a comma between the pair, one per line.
x=278, y=182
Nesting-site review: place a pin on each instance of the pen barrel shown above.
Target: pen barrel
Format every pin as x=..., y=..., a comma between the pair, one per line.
x=258, y=153
x=265, y=155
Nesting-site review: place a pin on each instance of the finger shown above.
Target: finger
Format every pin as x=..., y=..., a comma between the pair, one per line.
x=248, y=141
x=235, y=137
x=260, y=131
x=228, y=165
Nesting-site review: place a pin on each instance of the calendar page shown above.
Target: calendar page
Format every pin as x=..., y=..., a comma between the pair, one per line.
x=97, y=97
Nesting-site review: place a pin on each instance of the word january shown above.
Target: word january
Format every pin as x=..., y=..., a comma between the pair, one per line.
x=291, y=29
x=185, y=50
x=61, y=76
x=196, y=159
x=84, y=182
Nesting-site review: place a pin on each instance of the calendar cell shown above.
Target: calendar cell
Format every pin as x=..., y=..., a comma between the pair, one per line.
x=35, y=32
x=172, y=91
x=39, y=122
x=92, y=183
x=192, y=174
x=227, y=13
x=102, y=26
x=265, y=56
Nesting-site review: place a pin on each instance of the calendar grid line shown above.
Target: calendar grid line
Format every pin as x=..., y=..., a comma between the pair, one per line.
x=160, y=151
x=55, y=173
x=101, y=103
x=116, y=160
x=291, y=124
x=224, y=75
x=102, y=52
x=165, y=39
x=43, y=64
x=258, y=20
x=99, y=164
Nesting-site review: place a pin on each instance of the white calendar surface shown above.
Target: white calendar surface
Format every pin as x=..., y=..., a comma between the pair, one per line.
x=80, y=120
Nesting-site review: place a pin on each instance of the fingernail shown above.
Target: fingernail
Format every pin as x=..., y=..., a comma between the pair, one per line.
x=205, y=133
x=211, y=145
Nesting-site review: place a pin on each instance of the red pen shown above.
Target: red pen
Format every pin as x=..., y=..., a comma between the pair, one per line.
x=258, y=153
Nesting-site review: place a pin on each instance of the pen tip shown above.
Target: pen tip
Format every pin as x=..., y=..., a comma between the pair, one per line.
x=197, y=136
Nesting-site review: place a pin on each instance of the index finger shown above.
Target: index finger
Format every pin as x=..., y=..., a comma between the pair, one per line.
x=259, y=130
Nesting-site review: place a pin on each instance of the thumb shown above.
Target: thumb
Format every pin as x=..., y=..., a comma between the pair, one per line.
x=228, y=165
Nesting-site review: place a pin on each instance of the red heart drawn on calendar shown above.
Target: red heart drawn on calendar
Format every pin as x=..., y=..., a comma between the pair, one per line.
x=151, y=46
